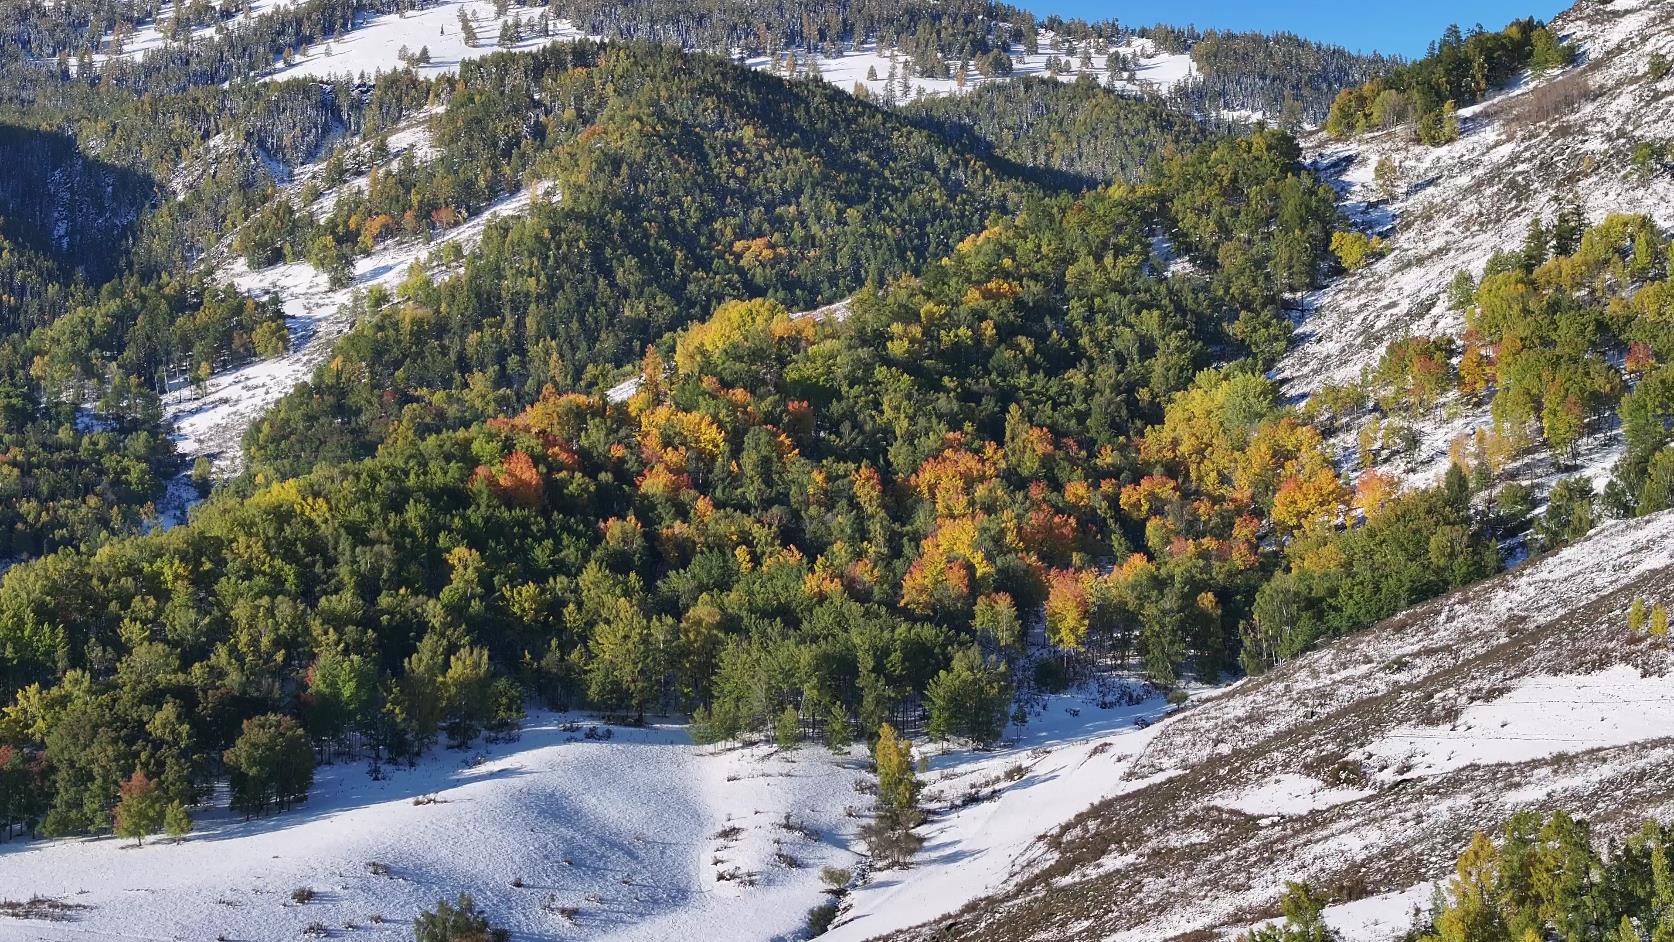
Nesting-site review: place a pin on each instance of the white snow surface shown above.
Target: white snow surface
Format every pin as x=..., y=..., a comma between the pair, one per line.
x=1156, y=71
x=374, y=44
x=628, y=830
x=1537, y=718
x=1288, y=794
x=1071, y=756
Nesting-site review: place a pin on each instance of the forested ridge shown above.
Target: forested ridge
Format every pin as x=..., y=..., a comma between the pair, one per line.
x=681, y=181
x=849, y=520
x=1039, y=440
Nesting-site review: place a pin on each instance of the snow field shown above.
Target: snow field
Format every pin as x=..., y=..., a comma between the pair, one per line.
x=1537, y=718
x=610, y=838
x=1073, y=754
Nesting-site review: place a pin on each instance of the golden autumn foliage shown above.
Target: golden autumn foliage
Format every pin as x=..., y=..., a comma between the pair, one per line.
x=1066, y=608
x=668, y=434
x=739, y=323
x=1308, y=499
x=1372, y=492
x=951, y=564
x=950, y=480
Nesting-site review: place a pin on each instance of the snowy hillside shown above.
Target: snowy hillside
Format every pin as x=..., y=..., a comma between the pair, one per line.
x=612, y=832
x=1457, y=204
x=562, y=834
x=873, y=68
x=375, y=44
x=211, y=421
x=1365, y=767
x=1522, y=154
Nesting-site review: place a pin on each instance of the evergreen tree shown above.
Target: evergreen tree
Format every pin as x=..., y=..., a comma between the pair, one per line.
x=1304, y=920
x=270, y=764
x=837, y=738
x=970, y=699
x=889, y=835
x=177, y=823
x=787, y=729
x=140, y=810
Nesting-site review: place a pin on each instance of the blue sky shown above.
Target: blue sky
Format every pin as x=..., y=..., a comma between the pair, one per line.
x=1404, y=27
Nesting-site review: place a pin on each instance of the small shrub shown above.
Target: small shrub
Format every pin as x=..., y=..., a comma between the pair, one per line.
x=1659, y=67
x=821, y=917
x=457, y=922
x=302, y=894
x=835, y=878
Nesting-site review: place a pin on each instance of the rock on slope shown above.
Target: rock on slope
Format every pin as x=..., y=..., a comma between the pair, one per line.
x=1364, y=767
x=1521, y=154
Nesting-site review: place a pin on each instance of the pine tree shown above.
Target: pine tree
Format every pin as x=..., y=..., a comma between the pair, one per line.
x=1537, y=245
x=1636, y=616
x=889, y=835
x=837, y=729
x=1659, y=622
x=787, y=729
x=140, y=809
x=456, y=922
x=970, y=699
x=177, y=823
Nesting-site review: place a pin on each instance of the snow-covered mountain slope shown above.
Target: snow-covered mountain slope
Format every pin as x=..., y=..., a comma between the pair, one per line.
x=561, y=835
x=1364, y=767
x=871, y=66
x=567, y=835
x=988, y=811
x=1567, y=137
x=1458, y=204
x=375, y=44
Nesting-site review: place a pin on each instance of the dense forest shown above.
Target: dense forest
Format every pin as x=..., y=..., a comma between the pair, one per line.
x=684, y=182
x=825, y=518
x=1291, y=80
x=1081, y=133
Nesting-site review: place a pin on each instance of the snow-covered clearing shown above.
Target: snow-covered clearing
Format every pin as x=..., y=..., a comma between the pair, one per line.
x=1288, y=795
x=374, y=45
x=614, y=833
x=150, y=36
x=1155, y=71
x=634, y=832
x=1071, y=756
x=1381, y=918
